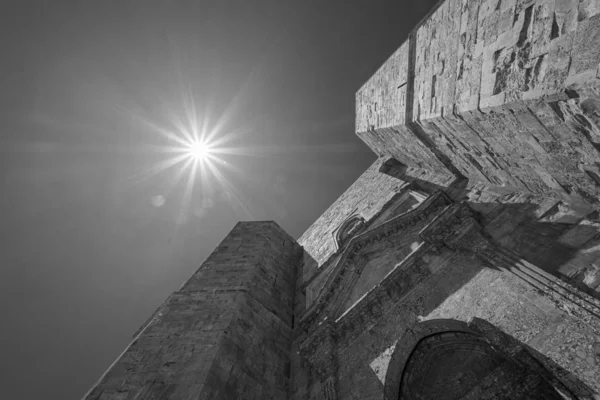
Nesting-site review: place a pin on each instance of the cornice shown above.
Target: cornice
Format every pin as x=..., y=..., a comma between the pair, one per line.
x=399, y=196
x=403, y=278
x=352, y=259
x=457, y=229
x=454, y=227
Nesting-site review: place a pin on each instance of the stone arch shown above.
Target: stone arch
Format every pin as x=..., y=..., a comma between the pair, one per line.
x=407, y=343
x=350, y=228
x=446, y=359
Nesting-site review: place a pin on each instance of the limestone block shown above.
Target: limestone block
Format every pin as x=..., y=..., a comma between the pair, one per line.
x=588, y=8
x=586, y=51
x=543, y=19
x=565, y=16
x=381, y=102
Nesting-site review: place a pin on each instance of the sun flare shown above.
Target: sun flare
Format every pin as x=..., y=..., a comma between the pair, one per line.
x=199, y=150
x=196, y=150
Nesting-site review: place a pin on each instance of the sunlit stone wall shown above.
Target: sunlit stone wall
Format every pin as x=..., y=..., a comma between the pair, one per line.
x=506, y=92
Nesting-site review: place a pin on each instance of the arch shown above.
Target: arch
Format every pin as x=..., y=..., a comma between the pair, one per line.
x=446, y=359
x=350, y=228
x=407, y=343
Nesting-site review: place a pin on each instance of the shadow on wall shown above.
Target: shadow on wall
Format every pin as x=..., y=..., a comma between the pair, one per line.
x=495, y=363
x=396, y=169
x=563, y=245
x=560, y=241
x=449, y=292
x=426, y=285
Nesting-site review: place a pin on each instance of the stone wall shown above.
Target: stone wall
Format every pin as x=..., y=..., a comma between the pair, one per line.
x=402, y=210
x=366, y=197
x=455, y=272
x=369, y=196
x=226, y=333
x=386, y=93
x=505, y=92
x=461, y=288
x=381, y=106
x=560, y=238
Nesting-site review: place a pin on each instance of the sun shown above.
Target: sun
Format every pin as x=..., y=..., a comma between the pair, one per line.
x=198, y=150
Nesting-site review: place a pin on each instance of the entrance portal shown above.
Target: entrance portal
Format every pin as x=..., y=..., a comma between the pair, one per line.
x=461, y=365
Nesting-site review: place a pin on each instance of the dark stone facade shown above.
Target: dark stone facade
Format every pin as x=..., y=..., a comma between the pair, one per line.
x=463, y=264
x=225, y=334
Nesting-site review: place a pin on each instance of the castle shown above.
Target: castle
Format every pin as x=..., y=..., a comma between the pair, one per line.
x=463, y=264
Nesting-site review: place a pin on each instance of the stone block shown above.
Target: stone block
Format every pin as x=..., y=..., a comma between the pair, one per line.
x=587, y=9
x=586, y=52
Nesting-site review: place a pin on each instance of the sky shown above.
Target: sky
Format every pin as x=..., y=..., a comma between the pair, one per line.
x=95, y=231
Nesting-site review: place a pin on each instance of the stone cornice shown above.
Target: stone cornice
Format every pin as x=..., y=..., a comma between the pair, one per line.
x=458, y=228
x=399, y=196
x=403, y=278
x=455, y=227
x=449, y=227
x=352, y=259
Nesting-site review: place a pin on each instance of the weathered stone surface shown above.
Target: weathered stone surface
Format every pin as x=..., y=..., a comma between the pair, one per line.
x=429, y=285
x=386, y=91
x=488, y=294
x=504, y=92
x=586, y=54
x=365, y=197
x=225, y=334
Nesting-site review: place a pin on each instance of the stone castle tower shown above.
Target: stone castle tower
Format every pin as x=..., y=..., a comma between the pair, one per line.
x=463, y=264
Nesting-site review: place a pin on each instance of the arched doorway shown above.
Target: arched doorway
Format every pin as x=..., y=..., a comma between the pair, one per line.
x=445, y=360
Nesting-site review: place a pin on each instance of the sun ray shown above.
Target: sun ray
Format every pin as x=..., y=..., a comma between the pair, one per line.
x=205, y=179
x=205, y=125
x=256, y=151
x=193, y=121
x=224, y=164
x=188, y=192
x=179, y=173
x=224, y=182
x=183, y=130
x=156, y=128
x=146, y=174
x=226, y=137
x=242, y=95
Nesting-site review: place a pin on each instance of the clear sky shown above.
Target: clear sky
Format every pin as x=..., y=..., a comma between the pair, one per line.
x=93, y=236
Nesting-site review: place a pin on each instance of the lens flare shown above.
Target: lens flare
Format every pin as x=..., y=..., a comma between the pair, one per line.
x=199, y=150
